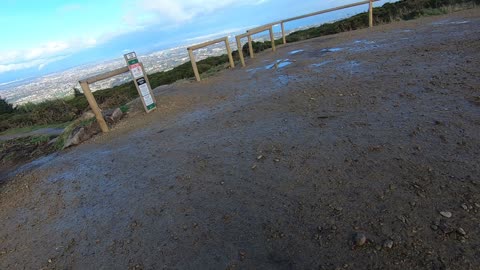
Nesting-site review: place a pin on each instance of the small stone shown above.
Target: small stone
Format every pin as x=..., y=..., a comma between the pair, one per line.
x=260, y=157
x=461, y=231
x=49, y=260
x=254, y=167
x=477, y=205
x=276, y=160
x=464, y=206
x=222, y=182
x=446, y=214
x=388, y=244
x=359, y=239
x=434, y=227
x=242, y=254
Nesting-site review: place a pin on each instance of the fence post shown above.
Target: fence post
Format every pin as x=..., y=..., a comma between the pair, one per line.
x=272, y=38
x=240, y=51
x=94, y=106
x=194, y=65
x=229, y=53
x=370, y=14
x=283, y=33
x=250, y=47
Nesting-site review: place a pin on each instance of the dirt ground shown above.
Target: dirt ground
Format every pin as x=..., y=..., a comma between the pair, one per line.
x=372, y=132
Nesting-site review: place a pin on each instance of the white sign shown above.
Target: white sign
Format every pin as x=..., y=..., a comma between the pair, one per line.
x=144, y=89
x=136, y=71
x=148, y=100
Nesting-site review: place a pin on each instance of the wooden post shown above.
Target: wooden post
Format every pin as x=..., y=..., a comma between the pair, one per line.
x=229, y=53
x=250, y=47
x=94, y=106
x=283, y=33
x=240, y=51
x=272, y=38
x=370, y=14
x=194, y=65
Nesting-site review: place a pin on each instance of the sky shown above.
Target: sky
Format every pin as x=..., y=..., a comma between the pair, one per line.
x=41, y=37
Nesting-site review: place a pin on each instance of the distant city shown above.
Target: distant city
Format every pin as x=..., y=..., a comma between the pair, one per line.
x=61, y=84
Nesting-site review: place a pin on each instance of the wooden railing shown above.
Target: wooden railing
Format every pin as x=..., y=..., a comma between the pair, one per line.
x=262, y=28
x=205, y=44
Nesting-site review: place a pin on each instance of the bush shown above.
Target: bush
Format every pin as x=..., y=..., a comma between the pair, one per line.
x=5, y=107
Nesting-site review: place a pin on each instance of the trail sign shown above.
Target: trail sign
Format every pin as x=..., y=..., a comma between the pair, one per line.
x=141, y=81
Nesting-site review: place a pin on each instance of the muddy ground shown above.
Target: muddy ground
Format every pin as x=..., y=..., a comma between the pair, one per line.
x=276, y=166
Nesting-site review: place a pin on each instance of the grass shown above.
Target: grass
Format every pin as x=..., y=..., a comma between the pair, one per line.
x=27, y=129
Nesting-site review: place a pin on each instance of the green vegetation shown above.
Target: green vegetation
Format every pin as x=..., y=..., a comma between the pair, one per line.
x=66, y=110
x=5, y=107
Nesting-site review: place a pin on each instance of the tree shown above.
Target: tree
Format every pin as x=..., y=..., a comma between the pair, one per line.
x=77, y=92
x=5, y=107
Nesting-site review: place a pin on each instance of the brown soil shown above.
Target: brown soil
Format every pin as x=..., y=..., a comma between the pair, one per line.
x=277, y=168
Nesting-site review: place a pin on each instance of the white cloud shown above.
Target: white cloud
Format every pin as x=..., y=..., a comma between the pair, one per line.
x=36, y=63
x=42, y=55
x=175, y=11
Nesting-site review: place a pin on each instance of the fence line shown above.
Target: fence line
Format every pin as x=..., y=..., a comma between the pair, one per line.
x=205, y=44
x=269, y=26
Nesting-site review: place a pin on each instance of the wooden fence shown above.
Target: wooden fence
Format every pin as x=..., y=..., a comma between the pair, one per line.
x=205, y=44
x=262, y=28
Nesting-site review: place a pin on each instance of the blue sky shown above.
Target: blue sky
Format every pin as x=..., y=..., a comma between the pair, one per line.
x=40, y=37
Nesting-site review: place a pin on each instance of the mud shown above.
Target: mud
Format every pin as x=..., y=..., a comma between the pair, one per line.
x=280, y=168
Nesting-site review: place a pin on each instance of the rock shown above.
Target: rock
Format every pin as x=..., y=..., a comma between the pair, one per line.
x=117, y=115
x=113, y=116
x=461, y=231
x=87, y=115
x=464, y=206
x=81, y=134
x=388, y=244
x=359, y=239
x=74, y=138
x=446, y=214
x=53, y=141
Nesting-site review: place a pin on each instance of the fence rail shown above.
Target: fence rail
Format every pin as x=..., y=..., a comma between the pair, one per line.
x=205, y=44
x=269, y=27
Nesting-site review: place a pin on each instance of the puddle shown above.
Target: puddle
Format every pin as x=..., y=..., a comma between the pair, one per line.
x=363, y=41
x=283, y=64
x=322, y=63
x=364, y=45
x=295, y=52
x=332, y=50
x=279, y=64
x=444, y=22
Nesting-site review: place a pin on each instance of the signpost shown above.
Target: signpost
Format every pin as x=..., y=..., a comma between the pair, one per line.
x=141, y=81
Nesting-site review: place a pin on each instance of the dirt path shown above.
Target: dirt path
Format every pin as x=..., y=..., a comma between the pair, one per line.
x=277, y=167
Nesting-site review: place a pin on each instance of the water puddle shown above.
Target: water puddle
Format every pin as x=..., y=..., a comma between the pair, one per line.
x=331, y=50
x=363, y=41
x=281, y=63
x=295, y=52
x=444, y=22
x=322, y=63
